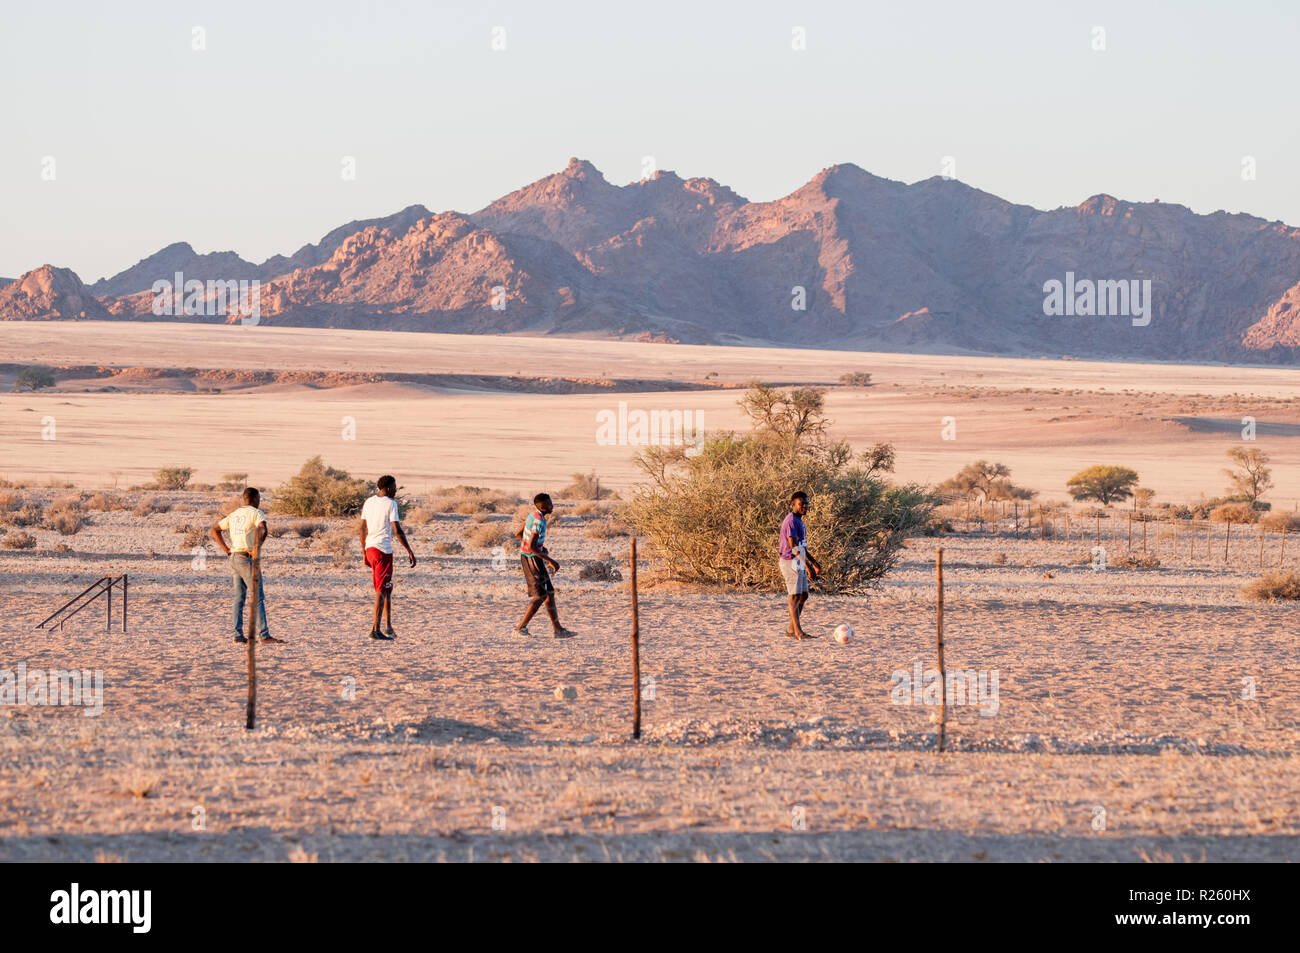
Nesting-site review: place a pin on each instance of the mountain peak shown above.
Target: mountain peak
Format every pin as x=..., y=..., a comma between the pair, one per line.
x=582, y=169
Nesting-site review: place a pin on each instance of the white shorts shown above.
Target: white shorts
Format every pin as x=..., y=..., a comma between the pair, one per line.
x=795, y=576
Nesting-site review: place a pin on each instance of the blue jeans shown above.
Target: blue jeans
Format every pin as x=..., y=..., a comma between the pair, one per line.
x=241, y=571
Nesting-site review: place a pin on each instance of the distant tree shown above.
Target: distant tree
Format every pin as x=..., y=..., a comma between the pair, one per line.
x=978, y=478
x=855, y=379
x=173, y=478
x=1252, y=478
x=1105, y=484
x=34, y=377
x=1142, y=497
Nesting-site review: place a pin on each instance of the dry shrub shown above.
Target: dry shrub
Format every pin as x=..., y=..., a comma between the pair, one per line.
x=444, y=548
x=339, y=544
x=1273, y=587
x=1135, y=560
x=320, y=490
x=420, y=515
x=29, y=514
x=1277, y=522
x=487, y=535
x=151, y=505
x=10, y=500
x=585, y=508
x=607, y=529
x=1234, y=513
x=105, y=502
x=194, y=535
x=64, y=518
x=1000, y=559
x=467, y=500
x=19, y=541
x=585, y=486
x=600, y=572
x=306, y=530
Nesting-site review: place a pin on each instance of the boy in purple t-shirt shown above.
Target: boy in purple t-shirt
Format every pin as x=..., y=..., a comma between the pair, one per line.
x=796, y=563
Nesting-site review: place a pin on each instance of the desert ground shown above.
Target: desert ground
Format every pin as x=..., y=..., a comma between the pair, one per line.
x=1142, y=714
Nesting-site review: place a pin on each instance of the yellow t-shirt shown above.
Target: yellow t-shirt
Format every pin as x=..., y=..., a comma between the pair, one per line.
x=242, y=525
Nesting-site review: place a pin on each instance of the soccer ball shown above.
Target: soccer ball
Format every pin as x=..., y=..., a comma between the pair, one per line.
x=843, y=633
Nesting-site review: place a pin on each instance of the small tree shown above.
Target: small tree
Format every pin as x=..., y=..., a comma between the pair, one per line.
x=978, y=478
x=173, y=478
x=1103, y=483
x=34, y=377
x=1142, y=497
x=1252, y=477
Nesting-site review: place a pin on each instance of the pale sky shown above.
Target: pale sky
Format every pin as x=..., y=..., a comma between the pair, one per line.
x=239, y=146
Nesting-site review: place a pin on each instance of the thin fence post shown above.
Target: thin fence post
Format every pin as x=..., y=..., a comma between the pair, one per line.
x=943, y=680
x=1227, y=535
x=256, y=592
x=1282, y=554
x=636, y=652
x=1259, y=528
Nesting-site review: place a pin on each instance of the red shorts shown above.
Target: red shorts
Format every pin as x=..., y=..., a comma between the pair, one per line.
x=381, y=564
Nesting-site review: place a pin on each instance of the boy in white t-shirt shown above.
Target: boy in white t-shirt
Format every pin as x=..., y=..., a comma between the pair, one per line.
x=379, y=522
x=247, y=528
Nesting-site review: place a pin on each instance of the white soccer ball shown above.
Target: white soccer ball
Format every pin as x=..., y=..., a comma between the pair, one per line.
x=843, y=633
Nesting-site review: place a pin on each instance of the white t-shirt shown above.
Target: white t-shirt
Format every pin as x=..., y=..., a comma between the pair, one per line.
x=242, y=524
x=380, y=513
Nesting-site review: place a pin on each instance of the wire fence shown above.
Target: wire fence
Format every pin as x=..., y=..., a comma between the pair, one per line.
x=1141, y=533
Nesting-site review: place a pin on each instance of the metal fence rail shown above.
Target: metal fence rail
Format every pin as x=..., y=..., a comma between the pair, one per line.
x=103, y=586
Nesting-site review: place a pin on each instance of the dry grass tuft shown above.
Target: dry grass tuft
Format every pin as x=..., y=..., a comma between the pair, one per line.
x=487, y=535
x=19, y=541
x=1273, y=587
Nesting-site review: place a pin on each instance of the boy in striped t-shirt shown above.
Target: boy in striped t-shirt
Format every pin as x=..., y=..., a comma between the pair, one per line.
x=534, y=558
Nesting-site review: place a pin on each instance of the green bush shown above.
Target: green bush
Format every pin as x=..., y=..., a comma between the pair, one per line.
x=320, y=490
x=34, y=377
x=714, y=516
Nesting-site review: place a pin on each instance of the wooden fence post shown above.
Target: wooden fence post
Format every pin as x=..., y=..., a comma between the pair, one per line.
x=943, y=680
x=636, y=652
x=255, y=590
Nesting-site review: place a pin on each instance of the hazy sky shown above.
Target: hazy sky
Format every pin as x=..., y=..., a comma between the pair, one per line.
x=239, y=146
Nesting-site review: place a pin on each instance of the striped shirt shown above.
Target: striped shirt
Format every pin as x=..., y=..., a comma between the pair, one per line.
x=534, y=537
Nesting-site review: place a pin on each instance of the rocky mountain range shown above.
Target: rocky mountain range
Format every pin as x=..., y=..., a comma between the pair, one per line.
x=848, y=260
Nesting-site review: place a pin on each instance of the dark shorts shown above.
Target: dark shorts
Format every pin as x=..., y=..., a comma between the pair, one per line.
x=537, y=578
x=381, y=564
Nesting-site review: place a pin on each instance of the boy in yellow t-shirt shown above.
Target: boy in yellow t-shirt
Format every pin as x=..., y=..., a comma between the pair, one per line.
x=247, y=528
